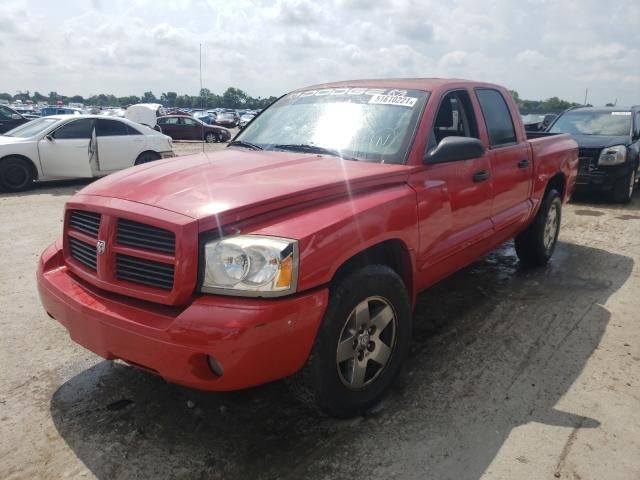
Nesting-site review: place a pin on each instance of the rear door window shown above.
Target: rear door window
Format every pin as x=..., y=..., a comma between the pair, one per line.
x=496, y=117
x=110, y=128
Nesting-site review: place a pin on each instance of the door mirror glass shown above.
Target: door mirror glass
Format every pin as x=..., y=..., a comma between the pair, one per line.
x=16, y=116
x=453, y=149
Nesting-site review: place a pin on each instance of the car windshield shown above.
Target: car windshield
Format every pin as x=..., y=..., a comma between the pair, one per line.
x=34, y=127
x=593, y=123
x=370, y=124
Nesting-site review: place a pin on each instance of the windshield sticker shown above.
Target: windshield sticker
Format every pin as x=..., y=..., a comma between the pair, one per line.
x=626, y=114
x=393, y=100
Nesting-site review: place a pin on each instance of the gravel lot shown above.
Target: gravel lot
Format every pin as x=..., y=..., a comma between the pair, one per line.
x=514, y=374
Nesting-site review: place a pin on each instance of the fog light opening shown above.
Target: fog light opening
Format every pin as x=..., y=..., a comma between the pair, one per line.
x=215, y=366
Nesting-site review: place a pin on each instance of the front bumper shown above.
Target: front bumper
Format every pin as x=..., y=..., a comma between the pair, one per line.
x=169, y=154
x=255, y=340
x=601, y=177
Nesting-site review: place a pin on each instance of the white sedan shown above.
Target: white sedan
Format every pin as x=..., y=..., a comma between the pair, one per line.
x=75, y=146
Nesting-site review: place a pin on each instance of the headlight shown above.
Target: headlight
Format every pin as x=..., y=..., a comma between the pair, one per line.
x=251, y=265
x=613, y=155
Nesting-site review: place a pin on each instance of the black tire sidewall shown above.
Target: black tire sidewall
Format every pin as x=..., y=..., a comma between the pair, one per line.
x=621, y=190
x=331, y=395
x=10, y=163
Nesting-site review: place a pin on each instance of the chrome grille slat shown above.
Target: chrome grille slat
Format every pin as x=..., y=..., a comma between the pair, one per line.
x=145, y=272
x=146, y=237
x=83, y=253
x=85, y=222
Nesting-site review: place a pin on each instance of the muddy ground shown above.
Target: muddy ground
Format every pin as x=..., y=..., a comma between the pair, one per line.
x=514, y=374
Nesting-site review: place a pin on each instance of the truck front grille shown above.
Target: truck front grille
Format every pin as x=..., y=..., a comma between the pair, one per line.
x=146, y=237
x=145, y=272
x=588, y=161
x=83, y=253
x=85, y=222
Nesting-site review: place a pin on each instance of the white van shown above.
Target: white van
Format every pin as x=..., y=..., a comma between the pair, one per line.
x=145, y=113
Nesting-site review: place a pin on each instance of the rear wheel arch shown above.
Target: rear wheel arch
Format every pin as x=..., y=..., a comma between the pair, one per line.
x=147, y=156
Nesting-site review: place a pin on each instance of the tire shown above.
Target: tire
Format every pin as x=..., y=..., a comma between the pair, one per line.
x=210, y=137
x=220, y=138
x=16, y=174
x=623, y=190
x=362, y=343
x=146, y=157
x=536, y=244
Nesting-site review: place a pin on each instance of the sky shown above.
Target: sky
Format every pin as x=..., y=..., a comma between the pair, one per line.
x=126, y=47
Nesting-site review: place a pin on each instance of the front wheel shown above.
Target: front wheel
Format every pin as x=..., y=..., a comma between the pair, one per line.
x=210, y=137
x=536, y=244
x=623, y=190
x=362, y=343
x=16, y=174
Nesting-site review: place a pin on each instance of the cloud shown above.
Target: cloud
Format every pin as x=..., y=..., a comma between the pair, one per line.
x=269, y=48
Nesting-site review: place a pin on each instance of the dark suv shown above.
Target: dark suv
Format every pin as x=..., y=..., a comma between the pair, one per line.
x=10, y=119
x=608, y=140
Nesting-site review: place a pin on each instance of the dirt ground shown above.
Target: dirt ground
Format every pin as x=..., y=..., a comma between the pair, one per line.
x=514, y=374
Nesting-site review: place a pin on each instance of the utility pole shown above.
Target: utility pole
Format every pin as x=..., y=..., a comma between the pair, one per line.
x=201, y=69
x=586, y=94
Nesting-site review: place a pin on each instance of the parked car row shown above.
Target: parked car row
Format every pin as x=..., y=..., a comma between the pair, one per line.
x=75, y=146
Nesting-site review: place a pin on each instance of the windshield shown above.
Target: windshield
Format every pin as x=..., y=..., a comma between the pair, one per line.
x=593, y=123
x=34, y=127
x=371, y=124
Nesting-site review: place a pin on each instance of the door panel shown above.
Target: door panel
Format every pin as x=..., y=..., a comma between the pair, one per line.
x=68, y=153
x=454, y=210
x=511, y=170
x=117, y=149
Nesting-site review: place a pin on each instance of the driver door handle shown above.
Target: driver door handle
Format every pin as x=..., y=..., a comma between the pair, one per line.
x=523, y=163
x=481, y=176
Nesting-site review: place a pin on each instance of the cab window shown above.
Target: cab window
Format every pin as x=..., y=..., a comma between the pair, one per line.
x=496, y=117
x=455, y=118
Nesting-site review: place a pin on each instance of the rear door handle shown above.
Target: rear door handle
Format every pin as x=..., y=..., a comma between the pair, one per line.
x=523, y=164
x=480, y=176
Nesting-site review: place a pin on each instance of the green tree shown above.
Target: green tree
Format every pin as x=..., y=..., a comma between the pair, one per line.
x=149, y=97
x=234, y=98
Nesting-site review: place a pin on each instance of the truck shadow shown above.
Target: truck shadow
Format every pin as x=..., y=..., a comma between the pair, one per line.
x=496, y=347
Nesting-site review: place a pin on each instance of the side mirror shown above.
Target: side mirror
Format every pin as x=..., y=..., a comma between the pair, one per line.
x=16, y=116
x=49, y=137
x=453, y=149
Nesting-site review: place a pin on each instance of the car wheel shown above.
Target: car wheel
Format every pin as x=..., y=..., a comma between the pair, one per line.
x=146, y=157
x=16, y=174
x=361, y=344
x=210, y=137
x=536, y=244
x=623, y=190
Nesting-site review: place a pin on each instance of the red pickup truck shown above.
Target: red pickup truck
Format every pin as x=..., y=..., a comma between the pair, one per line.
x=302, y=246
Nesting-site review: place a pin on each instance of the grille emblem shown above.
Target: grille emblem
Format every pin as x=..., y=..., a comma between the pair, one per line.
x=101, y=245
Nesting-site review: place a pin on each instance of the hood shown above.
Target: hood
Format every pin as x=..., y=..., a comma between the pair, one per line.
x=601, y=141
x=235, y=184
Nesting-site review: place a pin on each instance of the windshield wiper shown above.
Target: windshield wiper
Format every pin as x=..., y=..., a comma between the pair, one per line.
x=313, y=149
x=241, y=143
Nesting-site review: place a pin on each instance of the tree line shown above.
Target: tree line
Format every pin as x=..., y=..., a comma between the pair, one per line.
x=231, y=98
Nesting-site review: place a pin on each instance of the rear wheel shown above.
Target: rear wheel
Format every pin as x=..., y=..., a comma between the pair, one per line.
x=146, y=157
x=15, y=174
x=623, y=190
x=536, y=244
x=362, y=343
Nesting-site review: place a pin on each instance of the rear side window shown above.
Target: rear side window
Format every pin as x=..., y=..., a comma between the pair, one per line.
x=75, y=129
x=5, y=113
x=496, y=117
x=110, y=128
x=133, y=131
